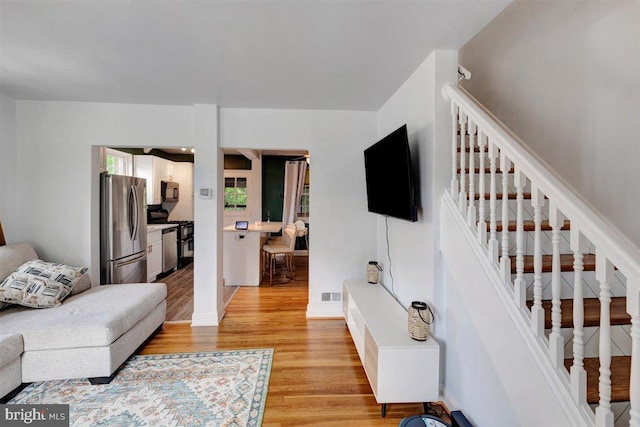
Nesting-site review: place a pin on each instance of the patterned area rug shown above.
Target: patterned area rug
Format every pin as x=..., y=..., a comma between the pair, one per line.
x=223, y=388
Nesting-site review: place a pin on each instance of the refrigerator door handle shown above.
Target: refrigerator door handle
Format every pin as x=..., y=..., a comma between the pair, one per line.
x=136, y=213
x=131, y=261
x=130, y=214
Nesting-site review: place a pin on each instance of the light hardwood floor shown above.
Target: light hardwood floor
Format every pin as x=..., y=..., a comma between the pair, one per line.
x=317, y=378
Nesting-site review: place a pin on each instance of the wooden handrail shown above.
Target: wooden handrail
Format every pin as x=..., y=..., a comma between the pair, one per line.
x=623, y=253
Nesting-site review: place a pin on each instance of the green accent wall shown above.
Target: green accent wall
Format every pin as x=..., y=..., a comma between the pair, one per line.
x=273, y=186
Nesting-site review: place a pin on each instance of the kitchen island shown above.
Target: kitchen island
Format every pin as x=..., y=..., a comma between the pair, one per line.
x=242, y=250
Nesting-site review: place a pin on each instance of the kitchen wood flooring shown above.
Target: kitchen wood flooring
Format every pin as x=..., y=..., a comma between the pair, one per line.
x=179, y=294
x=180, y=288
x=317, y=378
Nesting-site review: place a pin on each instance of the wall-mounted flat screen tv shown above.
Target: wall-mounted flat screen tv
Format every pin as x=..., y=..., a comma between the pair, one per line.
x=390, y=187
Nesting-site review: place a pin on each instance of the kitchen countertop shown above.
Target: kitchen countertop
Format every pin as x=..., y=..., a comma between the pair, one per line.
x=154, y=227
x=264, y=227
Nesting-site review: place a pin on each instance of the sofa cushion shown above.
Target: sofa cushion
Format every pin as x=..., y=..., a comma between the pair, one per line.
x=40, y=284
x=10, y=348
x=93, y=318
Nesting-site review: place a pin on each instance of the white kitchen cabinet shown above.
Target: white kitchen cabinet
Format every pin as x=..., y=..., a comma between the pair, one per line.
x=399, y=368
x=154, y=254
x=153, y=169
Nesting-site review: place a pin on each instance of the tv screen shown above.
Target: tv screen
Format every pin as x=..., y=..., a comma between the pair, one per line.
x=390, y=189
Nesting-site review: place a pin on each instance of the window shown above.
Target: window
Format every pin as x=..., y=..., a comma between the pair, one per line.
x=235, y=194
x=118, y=162
x=303, y=208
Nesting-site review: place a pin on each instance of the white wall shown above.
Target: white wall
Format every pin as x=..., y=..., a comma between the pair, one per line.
x=208, y=302
x=343, y=237
x=58, y=180
x=57, y=170
x=413, y=246
x=565, y=77
x=9, y=209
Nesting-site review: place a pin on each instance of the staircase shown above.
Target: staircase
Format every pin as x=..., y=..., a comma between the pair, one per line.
x=566, y=270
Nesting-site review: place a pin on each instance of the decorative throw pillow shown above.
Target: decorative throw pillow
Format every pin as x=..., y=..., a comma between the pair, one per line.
x=40, y=284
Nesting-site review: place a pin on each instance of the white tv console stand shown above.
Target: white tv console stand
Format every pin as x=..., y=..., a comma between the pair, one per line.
x=399, y=369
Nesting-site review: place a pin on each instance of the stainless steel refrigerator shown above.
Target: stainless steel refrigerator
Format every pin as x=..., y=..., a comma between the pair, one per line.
x=123, y=229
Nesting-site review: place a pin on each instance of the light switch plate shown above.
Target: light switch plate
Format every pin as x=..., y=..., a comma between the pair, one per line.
x=206, y=193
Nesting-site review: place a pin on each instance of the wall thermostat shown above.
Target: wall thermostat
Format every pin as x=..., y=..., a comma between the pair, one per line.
x=206, y=193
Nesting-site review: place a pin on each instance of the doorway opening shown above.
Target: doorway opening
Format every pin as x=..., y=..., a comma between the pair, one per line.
x=168, y=206
x=259, y=189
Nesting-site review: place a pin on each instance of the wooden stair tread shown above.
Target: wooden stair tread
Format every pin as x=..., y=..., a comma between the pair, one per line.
x=512, y=196
x=620, y=377
x=566, y=263
x=618, y=309
x=529, y=225
x=487, y=171
x=476, y=148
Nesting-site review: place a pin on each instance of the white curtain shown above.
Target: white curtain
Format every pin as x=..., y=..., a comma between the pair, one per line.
x=294, y=173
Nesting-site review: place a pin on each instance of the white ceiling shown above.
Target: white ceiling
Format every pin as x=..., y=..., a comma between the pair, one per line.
x=309, y=54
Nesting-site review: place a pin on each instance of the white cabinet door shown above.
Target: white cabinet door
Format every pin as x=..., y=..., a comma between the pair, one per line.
x=154, y=254
x=159, y=174
x=153, y=169
x=143, y=168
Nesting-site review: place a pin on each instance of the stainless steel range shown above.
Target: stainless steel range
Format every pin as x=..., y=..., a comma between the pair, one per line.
x=185, y=242
x=185, y=235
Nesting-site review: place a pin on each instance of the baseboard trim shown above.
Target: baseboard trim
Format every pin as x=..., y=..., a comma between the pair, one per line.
x=325, y=311
x=207, y=319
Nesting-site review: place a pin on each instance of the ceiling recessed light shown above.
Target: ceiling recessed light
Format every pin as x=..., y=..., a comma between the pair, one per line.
x=184, y=149
x=193, y=150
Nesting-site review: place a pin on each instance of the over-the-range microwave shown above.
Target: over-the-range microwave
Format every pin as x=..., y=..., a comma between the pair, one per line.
x=170, y=191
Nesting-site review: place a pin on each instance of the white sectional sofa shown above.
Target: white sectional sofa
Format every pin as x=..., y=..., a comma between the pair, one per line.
x=90, y=335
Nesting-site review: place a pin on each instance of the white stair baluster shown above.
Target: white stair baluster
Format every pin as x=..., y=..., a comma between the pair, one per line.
x=493, y=234
x=482, y=223
x=633, y=308
x=471, y=209
x=462, y=196
x=537, y=312
x=454, y=150
x=556, y=342
x=578, y=373
x=505, y=261
x=604, y=275
x=519, y=285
